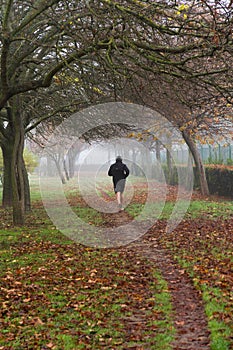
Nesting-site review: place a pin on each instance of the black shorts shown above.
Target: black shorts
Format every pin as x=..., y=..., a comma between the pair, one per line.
x=119, y=186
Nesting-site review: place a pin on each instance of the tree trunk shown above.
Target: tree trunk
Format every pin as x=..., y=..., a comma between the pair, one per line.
x=66, y=170
x=198, y=162
x=17, y=173
x=14, y=184
x=7, y=189
x=7, y=196
x=157, y=150
x=169, y=165
x=58, y=166
x=71, y=161
x=27, y=194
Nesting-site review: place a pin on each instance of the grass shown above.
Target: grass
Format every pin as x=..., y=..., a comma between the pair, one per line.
x=89, y=215
x=207, y=258
x=216, y=304
x=164, y=306
x=210, y=209
x=197, y=209
x=220, y=331
x=61, y=295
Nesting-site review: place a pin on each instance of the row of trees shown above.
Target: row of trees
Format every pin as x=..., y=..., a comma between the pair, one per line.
x=57, y=57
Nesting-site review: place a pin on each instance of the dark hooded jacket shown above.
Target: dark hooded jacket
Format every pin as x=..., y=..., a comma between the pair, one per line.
x=118, y=171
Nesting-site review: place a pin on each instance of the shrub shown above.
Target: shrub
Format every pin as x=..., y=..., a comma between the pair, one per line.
x=219, y=178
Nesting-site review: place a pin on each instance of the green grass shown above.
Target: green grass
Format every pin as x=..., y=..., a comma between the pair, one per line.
x=210, y=209
x=164, y=306
x=89, y=215
x=65, y=296
x=151, y=210
x=196, y=209
x=216, y=305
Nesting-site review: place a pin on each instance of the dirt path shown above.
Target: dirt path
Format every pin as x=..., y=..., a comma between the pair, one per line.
x=189, y=316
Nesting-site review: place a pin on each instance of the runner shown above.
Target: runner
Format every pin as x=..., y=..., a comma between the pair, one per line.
x=119, y=172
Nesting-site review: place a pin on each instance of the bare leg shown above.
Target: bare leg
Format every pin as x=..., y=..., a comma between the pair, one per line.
x=120, y=200
x=118, y=195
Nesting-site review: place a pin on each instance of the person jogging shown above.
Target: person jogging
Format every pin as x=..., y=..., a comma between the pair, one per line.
x=119, y=172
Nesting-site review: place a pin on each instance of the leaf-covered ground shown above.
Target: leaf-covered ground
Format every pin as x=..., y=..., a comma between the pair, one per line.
x=164, y=291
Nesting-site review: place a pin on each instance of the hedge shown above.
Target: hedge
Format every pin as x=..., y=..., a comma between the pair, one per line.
x=219, y=178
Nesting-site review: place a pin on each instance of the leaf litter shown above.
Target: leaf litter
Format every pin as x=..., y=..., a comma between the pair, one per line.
x=56, y=294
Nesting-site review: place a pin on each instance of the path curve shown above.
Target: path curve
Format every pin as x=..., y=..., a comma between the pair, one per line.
x=189, y=315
